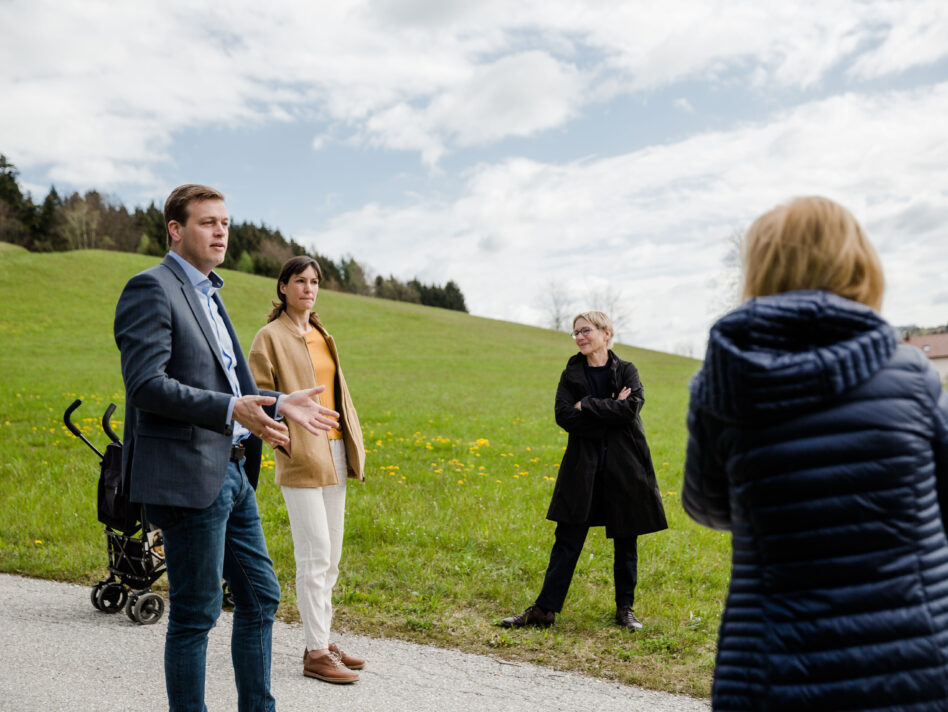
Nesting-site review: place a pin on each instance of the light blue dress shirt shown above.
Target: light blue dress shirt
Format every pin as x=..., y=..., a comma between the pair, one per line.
x=206, y=288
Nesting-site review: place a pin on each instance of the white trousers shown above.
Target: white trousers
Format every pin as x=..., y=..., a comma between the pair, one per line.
x=317, y=521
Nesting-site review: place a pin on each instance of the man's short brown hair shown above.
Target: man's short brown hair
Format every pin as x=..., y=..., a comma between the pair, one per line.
x=176, y=206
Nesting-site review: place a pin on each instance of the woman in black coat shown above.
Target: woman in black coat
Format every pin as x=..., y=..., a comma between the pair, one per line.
x=606, y=477
x=822, y=445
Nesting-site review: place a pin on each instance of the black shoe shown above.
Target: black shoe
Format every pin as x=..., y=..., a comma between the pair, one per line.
x=626, y=618
x=534, y=615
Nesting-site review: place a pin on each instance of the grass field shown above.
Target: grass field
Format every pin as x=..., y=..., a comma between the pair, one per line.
x=447, y=535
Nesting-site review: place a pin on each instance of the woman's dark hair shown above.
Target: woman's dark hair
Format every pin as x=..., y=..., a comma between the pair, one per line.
x=294, y=266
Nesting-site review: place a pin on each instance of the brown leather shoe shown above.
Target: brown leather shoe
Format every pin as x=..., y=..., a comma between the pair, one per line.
x=328, y=667
x=534, y=615
x=350, y=661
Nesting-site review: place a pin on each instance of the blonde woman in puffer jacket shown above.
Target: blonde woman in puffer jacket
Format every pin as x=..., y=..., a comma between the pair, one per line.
x=821, y=443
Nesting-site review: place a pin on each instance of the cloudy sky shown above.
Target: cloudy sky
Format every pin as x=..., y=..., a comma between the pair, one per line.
x=603, y=151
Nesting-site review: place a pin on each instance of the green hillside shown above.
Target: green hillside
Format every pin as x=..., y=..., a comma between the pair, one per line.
x=447, y=535
x=7, y=249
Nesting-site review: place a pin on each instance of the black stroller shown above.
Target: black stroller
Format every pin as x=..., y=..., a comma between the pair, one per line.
x=136, y=551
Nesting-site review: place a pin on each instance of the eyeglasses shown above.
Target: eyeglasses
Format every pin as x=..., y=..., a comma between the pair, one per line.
x=585, y=331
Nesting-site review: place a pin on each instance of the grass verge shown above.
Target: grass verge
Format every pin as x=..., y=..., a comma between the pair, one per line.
x=447, y=536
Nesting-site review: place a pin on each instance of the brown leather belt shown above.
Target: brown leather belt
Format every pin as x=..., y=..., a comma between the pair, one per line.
x=237, y=453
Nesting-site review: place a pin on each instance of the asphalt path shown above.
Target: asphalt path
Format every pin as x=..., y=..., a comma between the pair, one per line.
x=58, y=653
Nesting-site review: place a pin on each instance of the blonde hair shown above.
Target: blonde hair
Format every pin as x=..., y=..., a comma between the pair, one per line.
x=811, y=243
x=598, y=319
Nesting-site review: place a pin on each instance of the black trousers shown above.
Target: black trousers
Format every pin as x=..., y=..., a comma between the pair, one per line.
x=566, y=550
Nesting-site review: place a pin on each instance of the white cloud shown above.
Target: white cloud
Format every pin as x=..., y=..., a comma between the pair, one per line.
x=683, y=104
x=916, y=38
x=655, y=223
x=96, y=93
x=98, y=89
x=320, y=141
x=515, y=96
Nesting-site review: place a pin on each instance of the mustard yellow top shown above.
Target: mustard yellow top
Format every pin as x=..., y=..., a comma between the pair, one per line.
x=325, y=369
x=279, y=360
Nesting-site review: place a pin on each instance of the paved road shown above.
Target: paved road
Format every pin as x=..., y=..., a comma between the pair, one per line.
x=58, y=653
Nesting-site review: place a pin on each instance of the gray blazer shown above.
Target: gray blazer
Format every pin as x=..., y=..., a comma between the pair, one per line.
x=176, y=442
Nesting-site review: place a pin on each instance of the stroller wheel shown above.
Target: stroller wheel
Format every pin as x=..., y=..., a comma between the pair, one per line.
x=148, y=608
x=130, y=607
x=95, y=594
x=111, y=598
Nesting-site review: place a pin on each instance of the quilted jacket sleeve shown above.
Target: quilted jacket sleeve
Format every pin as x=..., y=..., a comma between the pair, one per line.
x=705, y=492
x=940, y=444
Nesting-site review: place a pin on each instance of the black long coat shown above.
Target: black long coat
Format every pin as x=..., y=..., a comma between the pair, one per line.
x=633, y=504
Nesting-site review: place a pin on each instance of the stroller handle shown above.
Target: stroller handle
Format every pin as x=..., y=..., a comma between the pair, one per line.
x=107, y=423
x=67, y=419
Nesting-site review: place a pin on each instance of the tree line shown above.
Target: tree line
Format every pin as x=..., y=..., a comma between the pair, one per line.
x=913, y=330
x=97, y=221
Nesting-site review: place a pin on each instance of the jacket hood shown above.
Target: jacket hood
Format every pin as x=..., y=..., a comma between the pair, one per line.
x=788, y=353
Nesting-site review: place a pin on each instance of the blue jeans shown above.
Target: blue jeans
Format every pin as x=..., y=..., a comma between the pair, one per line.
x=566, y=550
x=203, y=546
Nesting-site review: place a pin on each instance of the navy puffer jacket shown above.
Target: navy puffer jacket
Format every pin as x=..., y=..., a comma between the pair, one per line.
x=822, y=445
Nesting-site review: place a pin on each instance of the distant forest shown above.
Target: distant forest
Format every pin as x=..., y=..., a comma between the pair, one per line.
x=96, y=221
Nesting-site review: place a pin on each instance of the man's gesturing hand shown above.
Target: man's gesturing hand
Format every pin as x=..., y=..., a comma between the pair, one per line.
x=248, y=411
x=300, y=407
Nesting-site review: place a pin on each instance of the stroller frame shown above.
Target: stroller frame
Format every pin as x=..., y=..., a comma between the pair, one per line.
x=135, y=548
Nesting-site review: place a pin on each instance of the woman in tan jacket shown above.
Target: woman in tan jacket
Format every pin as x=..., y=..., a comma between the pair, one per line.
x=295, y=351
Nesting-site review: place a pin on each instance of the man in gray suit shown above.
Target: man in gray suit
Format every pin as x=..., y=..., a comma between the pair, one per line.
x=194, y=422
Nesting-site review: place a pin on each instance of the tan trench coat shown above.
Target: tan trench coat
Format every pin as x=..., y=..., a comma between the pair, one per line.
x=280, y=361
